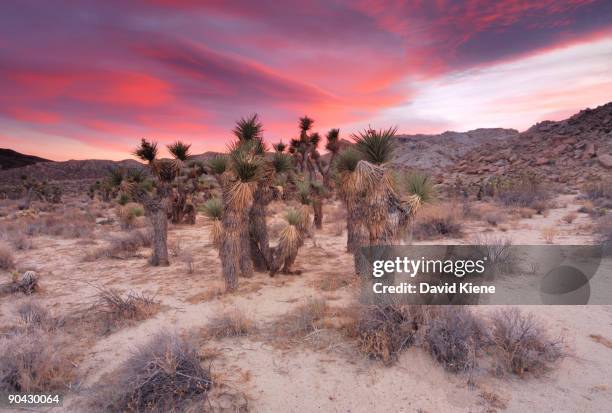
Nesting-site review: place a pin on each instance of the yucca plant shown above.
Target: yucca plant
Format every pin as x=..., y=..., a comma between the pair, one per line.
x=376, y=146
x=419, y=189
x=290, y=241
x=213, y=209
x=248, y=128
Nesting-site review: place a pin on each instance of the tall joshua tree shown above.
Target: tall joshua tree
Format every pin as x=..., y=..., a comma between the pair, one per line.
x=385, y=214
x=153, y=196
x=239, y=181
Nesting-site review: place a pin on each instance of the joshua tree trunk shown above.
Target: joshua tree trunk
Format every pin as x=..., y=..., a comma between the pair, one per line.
x=157, y=211
x=246, y=264
x=317, y=206
x=357, y=232
x=259, y=241
x=231, y=250
x=160, y=236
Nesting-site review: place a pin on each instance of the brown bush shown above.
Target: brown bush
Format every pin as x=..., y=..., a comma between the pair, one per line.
x=27, y=284
x=454, y=337
x=34, y=360
x=163, y=375
x=521, y=345
x=437, y=221
x=230, y=324
x=383, y=331
x=7, y=261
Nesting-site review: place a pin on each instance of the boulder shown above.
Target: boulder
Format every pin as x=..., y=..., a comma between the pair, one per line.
x=605, y=160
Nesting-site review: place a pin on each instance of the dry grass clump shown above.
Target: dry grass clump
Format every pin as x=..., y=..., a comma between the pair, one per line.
x=303, y=320
x=232, y=323
x=124, y=246
x=454, y=337
x=164, y=375
x=117, y=309
x=7, y=261
x=521, y=345
x=34, y=360
x=548, y=234
x=438, y=221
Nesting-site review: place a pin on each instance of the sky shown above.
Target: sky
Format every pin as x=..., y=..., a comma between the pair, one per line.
x=89, y=79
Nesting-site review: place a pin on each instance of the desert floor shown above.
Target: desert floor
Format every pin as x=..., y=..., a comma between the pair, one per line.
x=322, y=371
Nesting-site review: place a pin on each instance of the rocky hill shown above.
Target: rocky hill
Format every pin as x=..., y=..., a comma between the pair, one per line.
x=435, y=153
x=574, y=150
x=10, y=159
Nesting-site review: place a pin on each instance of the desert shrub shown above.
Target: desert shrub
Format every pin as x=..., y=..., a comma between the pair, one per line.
x=521, y=345
x=123, y=246
x=187, y=258
x=232, y=323
x=117, y=308
x=437, y=221
x=34, y=360
x=454, y=337
x=604, y=229
x=7, y=260
x=31, y=312
x=598, y=192
x=162, y=375
x=70, y=224
x=498, y=252
x=128, y=214
x=494, y=218
x=569, y=217
x=523, y=191
x=382, y=331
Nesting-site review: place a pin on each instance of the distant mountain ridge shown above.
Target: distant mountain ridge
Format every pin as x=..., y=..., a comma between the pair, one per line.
x=10, y=159
x=570, y=150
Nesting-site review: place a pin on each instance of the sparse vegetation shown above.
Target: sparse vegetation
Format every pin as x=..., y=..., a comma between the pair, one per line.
x=163, y=375
x=521, y=344
x=116, y=308
x=232, y=323
x=123, y=246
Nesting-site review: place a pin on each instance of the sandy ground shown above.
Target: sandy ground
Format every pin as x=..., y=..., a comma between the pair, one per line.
x=335, y=378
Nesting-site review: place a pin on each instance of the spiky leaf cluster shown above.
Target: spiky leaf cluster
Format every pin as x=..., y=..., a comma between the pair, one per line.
x=376, y=146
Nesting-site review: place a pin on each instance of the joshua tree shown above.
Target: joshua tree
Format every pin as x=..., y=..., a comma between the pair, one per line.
x=346, y=167
x=290, y=241
x=153, y=195
x=333, y=147
x=243, y=169
x=34, y=189
x=305, y=151
x=385, y=214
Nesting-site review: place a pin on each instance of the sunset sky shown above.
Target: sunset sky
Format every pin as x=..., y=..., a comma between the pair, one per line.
x=88, y=79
